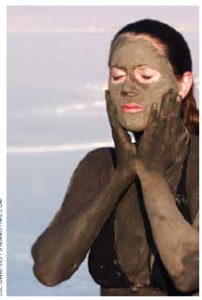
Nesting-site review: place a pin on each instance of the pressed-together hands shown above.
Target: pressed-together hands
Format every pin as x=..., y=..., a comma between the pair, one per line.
x=163, y=145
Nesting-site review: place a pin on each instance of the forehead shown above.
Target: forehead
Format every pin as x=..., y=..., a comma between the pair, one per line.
x=131, y=53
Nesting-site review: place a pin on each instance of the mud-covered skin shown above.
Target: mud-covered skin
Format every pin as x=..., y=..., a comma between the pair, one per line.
x=87, y=205
x=130, y=237
x=63, y=246
x=125, y=150
x=96, y=162
x=164, y=144
x=131, y=242
x=162, y=147
x=177, y=241
x=128, y=55
x=97, y=188
x=192, y=176
x=145, y=291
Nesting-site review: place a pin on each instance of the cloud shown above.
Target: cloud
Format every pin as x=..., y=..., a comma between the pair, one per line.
x=96, y=87
x=80, y=106
x=98, y=104
x=42, y=149
x=69, y=108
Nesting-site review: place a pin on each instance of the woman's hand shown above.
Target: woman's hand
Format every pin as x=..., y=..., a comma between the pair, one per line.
x=163, y=146
x=125, y=150
x=161, y=153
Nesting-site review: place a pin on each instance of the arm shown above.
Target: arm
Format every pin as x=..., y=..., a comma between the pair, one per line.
x=176, y=240
x=62, y=247
x=89, y=202
x=163, y=146
x=192, y=176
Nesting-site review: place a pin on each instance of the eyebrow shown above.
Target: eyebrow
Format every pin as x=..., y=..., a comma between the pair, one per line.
x=117, y=66
x=147, y=66
x=135, y=67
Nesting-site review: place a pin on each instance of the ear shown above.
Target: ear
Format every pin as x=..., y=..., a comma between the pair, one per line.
x=185, y=84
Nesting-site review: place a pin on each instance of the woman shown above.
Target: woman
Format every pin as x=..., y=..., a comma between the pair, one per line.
x=136, y=206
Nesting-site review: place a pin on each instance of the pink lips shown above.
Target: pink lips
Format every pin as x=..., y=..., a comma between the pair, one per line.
x=132, y=107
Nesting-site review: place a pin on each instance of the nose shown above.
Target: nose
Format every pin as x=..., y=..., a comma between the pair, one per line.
x=128, y=88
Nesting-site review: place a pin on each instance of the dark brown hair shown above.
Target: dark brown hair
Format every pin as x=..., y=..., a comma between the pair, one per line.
x=178, y=54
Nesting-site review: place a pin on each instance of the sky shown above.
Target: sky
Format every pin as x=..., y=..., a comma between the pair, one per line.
x=57, y=74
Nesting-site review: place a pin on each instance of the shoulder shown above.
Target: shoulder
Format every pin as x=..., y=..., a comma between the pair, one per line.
x=100, y=156
x=94, y=167
x=90, y=175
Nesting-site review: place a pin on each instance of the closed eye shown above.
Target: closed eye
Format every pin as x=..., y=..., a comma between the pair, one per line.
x=117, y=78
x=117, y=75
x=146, y=75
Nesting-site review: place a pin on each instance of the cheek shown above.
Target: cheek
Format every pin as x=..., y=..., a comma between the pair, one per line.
x=168, y=82
x=115, y=90
x=156, y=92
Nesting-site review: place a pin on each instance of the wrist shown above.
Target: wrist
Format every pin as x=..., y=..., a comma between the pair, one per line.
x=148, y=172
x=152, y=177
x=123, y=177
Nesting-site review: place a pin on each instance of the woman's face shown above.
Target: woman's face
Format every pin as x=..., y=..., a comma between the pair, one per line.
x=139, y=76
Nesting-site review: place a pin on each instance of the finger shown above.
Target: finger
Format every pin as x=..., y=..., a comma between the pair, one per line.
x=153, y=114
x=175, y=109
x=151, y=126
x=178, y=109
x=181, y=147
x=174, y=124
x=187, y=136
x=123, y=135
x=153, y=121
x=182, y=139
x=169, y=104
x=111, y=109
x=171, y=130
x=173, y=106
x=164, y=105
x=183, y=131
x=179, y=98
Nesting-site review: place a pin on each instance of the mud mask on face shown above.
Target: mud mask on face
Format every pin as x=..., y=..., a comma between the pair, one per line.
x=128, y=56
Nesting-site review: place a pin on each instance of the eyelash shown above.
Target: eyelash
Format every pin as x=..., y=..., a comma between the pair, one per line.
x=146, y=76
x=142, y=77
x=117, y=77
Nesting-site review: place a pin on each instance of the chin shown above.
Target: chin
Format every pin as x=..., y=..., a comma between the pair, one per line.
x=134, y=122
x=134, y=127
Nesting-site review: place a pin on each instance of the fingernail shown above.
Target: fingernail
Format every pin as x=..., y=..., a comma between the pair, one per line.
x=179, y=98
